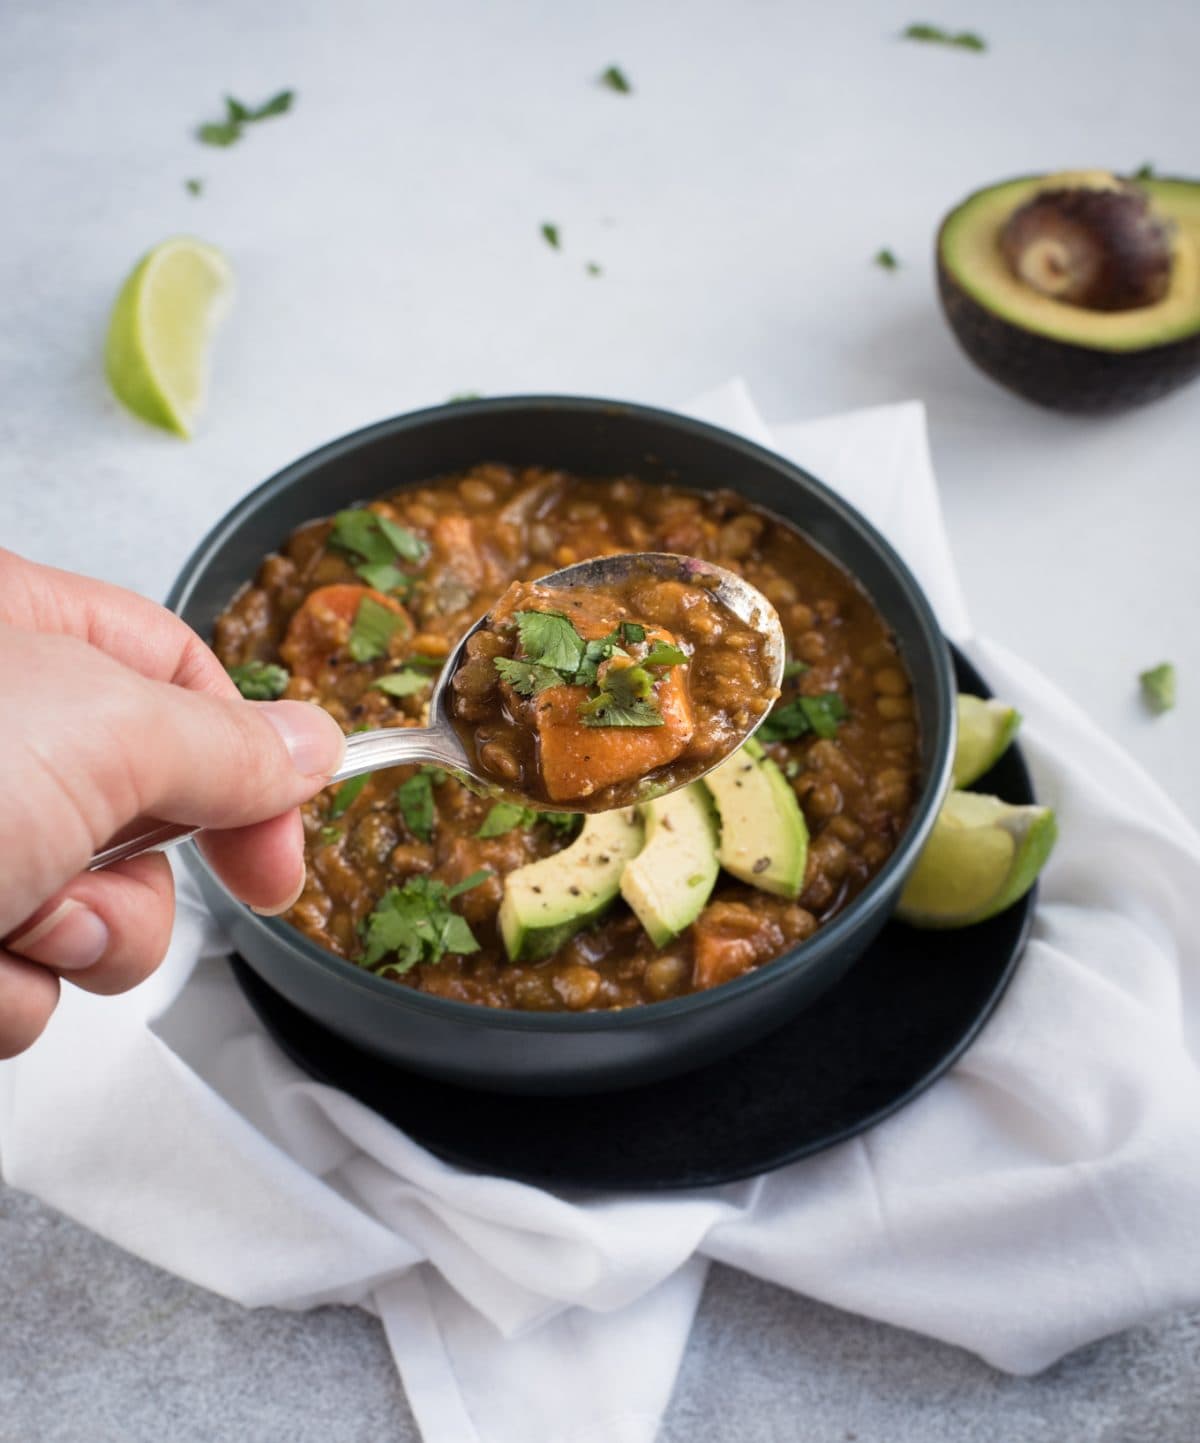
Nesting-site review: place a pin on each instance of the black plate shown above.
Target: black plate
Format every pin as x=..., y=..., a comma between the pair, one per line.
x=903, y=1014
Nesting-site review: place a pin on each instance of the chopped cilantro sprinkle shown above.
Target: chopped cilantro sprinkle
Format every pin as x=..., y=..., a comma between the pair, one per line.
x=935, y=35
x=415, y=923
x=886, y=260
x=803, y=714
x=1158, y=687
x=346, y=795
x=260, y=680
x=237, y=116
x=374, y=626
x=615, y=79
x=551, y=236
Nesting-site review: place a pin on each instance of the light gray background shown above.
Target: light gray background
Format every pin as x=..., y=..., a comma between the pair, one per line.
x=385, y=237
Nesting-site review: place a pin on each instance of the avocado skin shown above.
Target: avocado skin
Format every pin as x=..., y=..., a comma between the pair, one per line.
x=1056, y=374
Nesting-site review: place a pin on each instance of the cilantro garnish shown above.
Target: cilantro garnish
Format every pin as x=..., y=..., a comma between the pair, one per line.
x=503, y=817
x=347, y=794
x=194, y=186
x=414, y=923
x=407, y=682
x=238, y=116
x=794, y=668
x=463, y=396
x=550, y=235
x=567, y=823
x=377, y=543
x=1158, y=687
x=547, y=637
x=526, y=677
x=803, y=714
x=558, y=655
x=661, y=654
x=614, y=78
x=886, y=260
x=415, y=800
x=1144, y=172
x=374, y=626
x=935, y=35
x=593, y=269
x=260, y=680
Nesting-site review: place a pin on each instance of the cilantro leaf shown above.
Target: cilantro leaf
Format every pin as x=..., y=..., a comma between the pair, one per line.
x=567, y=823
x=550, y=235
x=374, y=626
x=377, y=542
x=407, y=682
x=406, y=544
x=614, y=78
x=414, y=923
x=661, y=654
x=1158, y=687
x=260, y=680
x=222, y=133
x=415, y=800
x=549, y=638
x=935, y=35
x=593, y=269
x=194, y=186
x=347, y=794
x=803, y=714
x=794, y=668
x=460, y=396
x=526, y=678
x=238, y=116
x=503, y=817
x=886, y=260
x=277, y=105
x=631, y=632
x=608, y=712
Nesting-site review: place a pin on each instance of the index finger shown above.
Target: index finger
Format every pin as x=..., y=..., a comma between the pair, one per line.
x=133, y=630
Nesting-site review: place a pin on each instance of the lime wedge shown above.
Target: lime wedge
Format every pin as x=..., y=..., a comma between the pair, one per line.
x=981, y=857
x=156, y=355
x=985, y=729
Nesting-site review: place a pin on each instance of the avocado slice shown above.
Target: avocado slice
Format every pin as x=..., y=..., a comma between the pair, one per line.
x=546, y=902
x=670, y=879
x=764, y=838
x=1125, y=332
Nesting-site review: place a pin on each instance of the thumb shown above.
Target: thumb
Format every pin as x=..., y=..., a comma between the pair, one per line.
x=211, y=761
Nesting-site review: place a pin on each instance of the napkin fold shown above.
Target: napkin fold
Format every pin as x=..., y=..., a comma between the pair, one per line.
x=1039, y=1196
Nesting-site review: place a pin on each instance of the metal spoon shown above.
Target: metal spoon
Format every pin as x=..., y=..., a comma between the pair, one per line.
x=439, y=743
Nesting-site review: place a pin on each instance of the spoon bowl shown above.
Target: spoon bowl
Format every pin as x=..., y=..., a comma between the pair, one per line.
x=439, y=744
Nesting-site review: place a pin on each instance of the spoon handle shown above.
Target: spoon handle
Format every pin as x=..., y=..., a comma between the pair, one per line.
x=365, y=752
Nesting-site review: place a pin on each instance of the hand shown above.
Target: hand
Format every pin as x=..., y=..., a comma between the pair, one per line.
x=111, y=710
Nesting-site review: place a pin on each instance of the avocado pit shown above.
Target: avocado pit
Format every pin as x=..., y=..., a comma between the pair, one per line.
x=1100, y=249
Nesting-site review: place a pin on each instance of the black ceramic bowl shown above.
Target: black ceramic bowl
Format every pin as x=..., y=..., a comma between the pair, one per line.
x=570, y=1052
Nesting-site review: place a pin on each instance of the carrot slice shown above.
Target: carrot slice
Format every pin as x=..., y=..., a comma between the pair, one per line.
x=323, y=623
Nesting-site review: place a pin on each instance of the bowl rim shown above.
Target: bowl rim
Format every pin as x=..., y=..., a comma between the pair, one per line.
x=940, y=736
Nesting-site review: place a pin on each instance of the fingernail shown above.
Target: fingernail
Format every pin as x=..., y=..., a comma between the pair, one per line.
x=313, y=739
x=291, y=901
x=69, y=938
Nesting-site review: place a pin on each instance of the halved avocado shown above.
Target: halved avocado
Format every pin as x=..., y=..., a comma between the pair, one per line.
x=1079, y=291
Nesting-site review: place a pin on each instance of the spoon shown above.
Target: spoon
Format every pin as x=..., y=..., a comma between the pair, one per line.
x=439, y=743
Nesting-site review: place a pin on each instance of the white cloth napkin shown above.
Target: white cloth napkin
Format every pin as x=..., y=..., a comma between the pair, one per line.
x=1041, y=1195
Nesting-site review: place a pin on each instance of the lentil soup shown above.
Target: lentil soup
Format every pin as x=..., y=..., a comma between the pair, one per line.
x=359, y=611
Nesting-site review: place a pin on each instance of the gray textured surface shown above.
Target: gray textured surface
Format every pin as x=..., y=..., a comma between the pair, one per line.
x=98, y=1347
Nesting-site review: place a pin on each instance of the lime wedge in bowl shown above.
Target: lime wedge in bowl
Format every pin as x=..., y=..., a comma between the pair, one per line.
x=156, y=355
x=982, y=856
x=985, y=729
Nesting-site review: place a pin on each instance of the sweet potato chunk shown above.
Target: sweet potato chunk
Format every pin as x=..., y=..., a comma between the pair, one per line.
x=730, y=938
x=577, y=760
